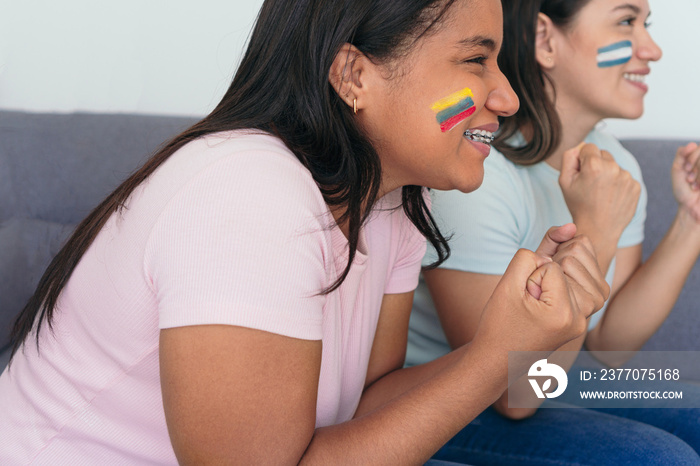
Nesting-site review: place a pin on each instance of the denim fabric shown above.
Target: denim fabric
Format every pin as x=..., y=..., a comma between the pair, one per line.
x=442, y=463
x=579, y=437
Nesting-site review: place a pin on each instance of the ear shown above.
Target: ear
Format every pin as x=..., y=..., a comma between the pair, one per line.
x=348, y=75
x=545, y=43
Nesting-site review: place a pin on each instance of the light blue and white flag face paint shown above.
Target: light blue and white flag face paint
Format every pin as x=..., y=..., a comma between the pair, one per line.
x=615, y=54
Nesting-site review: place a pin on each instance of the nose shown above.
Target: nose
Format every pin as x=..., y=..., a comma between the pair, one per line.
x=502, y=100
x=648, y=49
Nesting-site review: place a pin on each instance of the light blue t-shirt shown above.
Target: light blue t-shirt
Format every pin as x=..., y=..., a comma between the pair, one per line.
x=513, y=209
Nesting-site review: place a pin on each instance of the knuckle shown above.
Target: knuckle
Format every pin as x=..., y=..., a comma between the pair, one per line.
x=636, y=186
x=583, y=245
x=568, y=262
x=581, y=325
x=586, y=241
x=524, y=254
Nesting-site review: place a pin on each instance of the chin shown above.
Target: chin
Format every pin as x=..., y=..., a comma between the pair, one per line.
x=630, y=112
x=470, y=185
x=635, y=110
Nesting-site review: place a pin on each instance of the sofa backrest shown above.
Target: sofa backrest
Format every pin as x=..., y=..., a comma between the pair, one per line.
x=680, y=330
x=54, y=169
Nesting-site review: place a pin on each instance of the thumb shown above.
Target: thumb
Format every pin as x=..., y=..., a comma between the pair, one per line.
x=554, y=237
x=570, y=165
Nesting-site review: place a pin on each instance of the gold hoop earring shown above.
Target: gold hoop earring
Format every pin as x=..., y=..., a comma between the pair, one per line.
x=354, y=106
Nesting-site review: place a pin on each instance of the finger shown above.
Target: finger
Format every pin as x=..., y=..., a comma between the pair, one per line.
x=591, y=287
x=578, y=261
x=587, y=300
x=692, y=165
x=580, y=247
x=694, y=159
x=554, y=237
x=571, y=164
x=523, y=264
x=589, y=153
x=688, y=154
x=607, y=155
x=693, y=154
x=550, y=282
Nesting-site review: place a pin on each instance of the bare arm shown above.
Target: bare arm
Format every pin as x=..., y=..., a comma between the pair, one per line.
x=231, y=392
x=648, y=295
x=644, y=294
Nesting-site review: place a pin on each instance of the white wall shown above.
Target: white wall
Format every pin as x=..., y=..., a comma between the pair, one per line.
x=671, y=107
x=144, y=56
x=177, y=57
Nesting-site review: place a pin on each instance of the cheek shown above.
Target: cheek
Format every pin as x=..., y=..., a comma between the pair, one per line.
x=615, y=54
x=454, y=109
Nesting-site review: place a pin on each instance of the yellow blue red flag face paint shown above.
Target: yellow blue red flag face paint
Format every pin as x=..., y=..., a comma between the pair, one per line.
x=615, y=54
x=454, y=108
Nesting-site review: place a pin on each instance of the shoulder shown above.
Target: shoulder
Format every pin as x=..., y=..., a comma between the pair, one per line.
x=243, y=200
x=242, y=167
x=246, y=153
x=234, y=186
x=500, y=172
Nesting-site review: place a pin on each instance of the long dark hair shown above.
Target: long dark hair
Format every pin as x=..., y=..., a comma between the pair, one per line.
x=517, y=60
x=282, y=87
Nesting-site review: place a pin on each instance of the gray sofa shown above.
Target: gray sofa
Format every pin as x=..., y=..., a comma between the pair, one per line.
x=55, y=168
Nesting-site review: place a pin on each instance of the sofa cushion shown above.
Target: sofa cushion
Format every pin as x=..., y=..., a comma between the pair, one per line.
x=26, y=248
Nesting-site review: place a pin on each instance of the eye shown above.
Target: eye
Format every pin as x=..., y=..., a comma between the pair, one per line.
x=647, y=24
x=480, y=60
x=628, y=21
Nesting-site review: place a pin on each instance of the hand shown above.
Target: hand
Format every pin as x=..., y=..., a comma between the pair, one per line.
x=601, y=196
x=544, y=299
x=685, y=179
x=577, y=257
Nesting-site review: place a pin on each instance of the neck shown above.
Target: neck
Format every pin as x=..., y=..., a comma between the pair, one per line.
x=576, y=122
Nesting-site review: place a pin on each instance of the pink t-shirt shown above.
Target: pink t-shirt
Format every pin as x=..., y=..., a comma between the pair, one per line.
x=232, y=229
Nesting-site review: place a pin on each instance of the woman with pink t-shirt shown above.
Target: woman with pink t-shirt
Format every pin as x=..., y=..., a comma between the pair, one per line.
x=244, y=296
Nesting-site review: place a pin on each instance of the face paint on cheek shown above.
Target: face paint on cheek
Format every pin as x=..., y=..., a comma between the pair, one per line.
x=454, y=108
x=615, y=54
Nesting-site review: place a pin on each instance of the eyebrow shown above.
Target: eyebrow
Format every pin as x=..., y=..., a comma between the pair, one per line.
x=478, y=41
x=629, y=6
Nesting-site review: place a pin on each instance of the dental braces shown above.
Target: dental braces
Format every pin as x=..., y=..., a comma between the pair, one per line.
x=479, y=137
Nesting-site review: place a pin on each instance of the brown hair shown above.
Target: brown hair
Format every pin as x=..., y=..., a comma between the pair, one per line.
x=517, y=60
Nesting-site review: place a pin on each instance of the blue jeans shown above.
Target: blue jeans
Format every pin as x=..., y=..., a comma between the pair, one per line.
x=578, y=436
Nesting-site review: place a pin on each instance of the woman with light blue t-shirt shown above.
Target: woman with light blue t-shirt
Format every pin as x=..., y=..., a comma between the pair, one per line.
x=581, y=61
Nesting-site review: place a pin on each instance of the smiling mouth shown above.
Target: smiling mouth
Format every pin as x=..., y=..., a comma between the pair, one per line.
x=635, y=78
x=479, y=135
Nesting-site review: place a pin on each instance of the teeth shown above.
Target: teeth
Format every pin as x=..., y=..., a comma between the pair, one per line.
x=637, y=78
x=479, y=135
